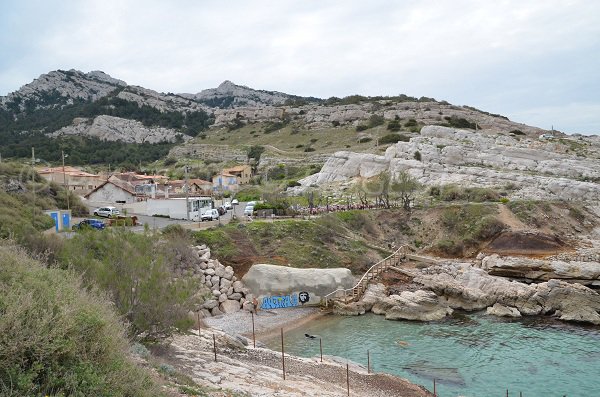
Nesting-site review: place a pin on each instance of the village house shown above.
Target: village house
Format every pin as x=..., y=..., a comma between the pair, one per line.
x=242, y=172
x=224, y=182
x=196, y=186
x=76, y=180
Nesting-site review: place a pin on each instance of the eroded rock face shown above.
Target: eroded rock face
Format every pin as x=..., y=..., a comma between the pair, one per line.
x=267, y=280
x=538, y=169
x=350, y=309
x=109, y=128
x=587, y=273
x=469, y=288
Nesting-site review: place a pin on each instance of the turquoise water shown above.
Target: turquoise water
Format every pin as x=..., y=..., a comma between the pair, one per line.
x=468, y=355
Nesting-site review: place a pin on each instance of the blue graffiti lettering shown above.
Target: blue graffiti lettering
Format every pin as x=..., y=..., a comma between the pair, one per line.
x=279, y=302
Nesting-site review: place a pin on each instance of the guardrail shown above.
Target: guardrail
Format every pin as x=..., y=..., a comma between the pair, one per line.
x=354, y=293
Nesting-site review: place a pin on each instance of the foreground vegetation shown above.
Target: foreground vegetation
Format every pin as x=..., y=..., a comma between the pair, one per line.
x=58, y=338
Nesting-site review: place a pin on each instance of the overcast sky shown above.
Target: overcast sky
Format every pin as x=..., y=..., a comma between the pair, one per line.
x=537, y=62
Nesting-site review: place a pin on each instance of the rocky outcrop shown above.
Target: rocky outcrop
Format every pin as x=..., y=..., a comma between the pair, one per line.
x=62, y=87
x=267, y=280
x=549, y=169
x=109, y=128
x=586, y=273
x=463, y=286
x=503, y=311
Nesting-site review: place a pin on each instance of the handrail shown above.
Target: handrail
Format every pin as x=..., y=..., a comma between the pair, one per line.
x=357, y=290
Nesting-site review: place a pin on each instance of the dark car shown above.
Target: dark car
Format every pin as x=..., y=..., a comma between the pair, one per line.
x=222, y=210
x=89, y=224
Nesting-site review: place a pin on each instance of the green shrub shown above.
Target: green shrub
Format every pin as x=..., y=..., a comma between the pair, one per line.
x=411, y=123
x=417, y=156
x=361, y=127
x=394, y=125
x=309, y=149
x=375, y=120
x=517, y=132
x=137, y=272
x=450, y=247
x=57, y=338
x=393, y=138
x=365, y=139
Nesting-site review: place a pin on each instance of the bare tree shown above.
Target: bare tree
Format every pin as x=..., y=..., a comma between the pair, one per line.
x=405, y=186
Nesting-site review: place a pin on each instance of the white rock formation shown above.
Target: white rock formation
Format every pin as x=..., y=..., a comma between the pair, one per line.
x=501, y=310
x=550, y=169
x=109, y=128
x=469, y=288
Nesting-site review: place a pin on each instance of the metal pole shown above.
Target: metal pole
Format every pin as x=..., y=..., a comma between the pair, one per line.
x=434, y=391
x=506, y=392
x=187, y=194
x=368, y=362
x=215, y=346
x=348, y=378
x=33, y=184
x=253, y=334
x=198, y=323
x=65, y=180
x=321, y=348
x=282, y=355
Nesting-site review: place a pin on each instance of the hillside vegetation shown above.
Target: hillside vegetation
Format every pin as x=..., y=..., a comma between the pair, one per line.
x=59, y=339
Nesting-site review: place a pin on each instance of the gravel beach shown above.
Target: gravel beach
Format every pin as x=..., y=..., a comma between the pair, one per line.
x=265, y=321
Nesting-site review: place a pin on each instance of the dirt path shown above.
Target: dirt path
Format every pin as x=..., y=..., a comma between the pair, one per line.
x=506, y=216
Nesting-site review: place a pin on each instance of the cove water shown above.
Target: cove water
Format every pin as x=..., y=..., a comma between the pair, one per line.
x=469, y=355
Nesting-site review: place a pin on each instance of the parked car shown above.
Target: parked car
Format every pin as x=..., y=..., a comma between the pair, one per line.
x=249, y=210
x=209, y=215
x=234, y=202
x=107, y=212
x=227, y=205
x=251, y=203
x=89, y=224
x=221, y=209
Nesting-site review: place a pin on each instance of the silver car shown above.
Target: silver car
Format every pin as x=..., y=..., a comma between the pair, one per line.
x=107, y=212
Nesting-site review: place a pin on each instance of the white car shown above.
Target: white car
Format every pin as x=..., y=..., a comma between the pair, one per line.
x=209, y=215
x=234, y=202
x=249, y=210
x=227, y=205
x=107, y=212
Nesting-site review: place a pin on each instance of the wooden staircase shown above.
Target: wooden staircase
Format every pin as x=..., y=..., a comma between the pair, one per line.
x=355, y=293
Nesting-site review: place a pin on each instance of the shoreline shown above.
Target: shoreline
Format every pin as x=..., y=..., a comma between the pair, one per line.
x=266, y=322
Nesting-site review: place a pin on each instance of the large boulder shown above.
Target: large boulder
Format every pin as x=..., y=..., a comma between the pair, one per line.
x=373, y=294
x=419, y=305
x=230, y=306
x=503, y=311
x=272, y=280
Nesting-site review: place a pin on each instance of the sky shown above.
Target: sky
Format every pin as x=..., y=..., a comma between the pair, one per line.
x=536, y=62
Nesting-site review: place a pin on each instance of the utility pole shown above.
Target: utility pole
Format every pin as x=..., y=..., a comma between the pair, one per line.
x=187, y=193
x=66, y=185
x=33, y=184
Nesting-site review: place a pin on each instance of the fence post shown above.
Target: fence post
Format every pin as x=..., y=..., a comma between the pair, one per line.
x=506, y=392
x=253, y=335
x=321, y=348
x=434, y=391
x=282, y=355
x=348, y=378
x=198, y=315
x=368, y=362
x=215, y=346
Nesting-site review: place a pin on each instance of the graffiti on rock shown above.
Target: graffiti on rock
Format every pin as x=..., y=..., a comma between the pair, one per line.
x=279, y=302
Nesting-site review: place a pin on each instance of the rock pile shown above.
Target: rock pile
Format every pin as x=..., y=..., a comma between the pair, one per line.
x=229, y=294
